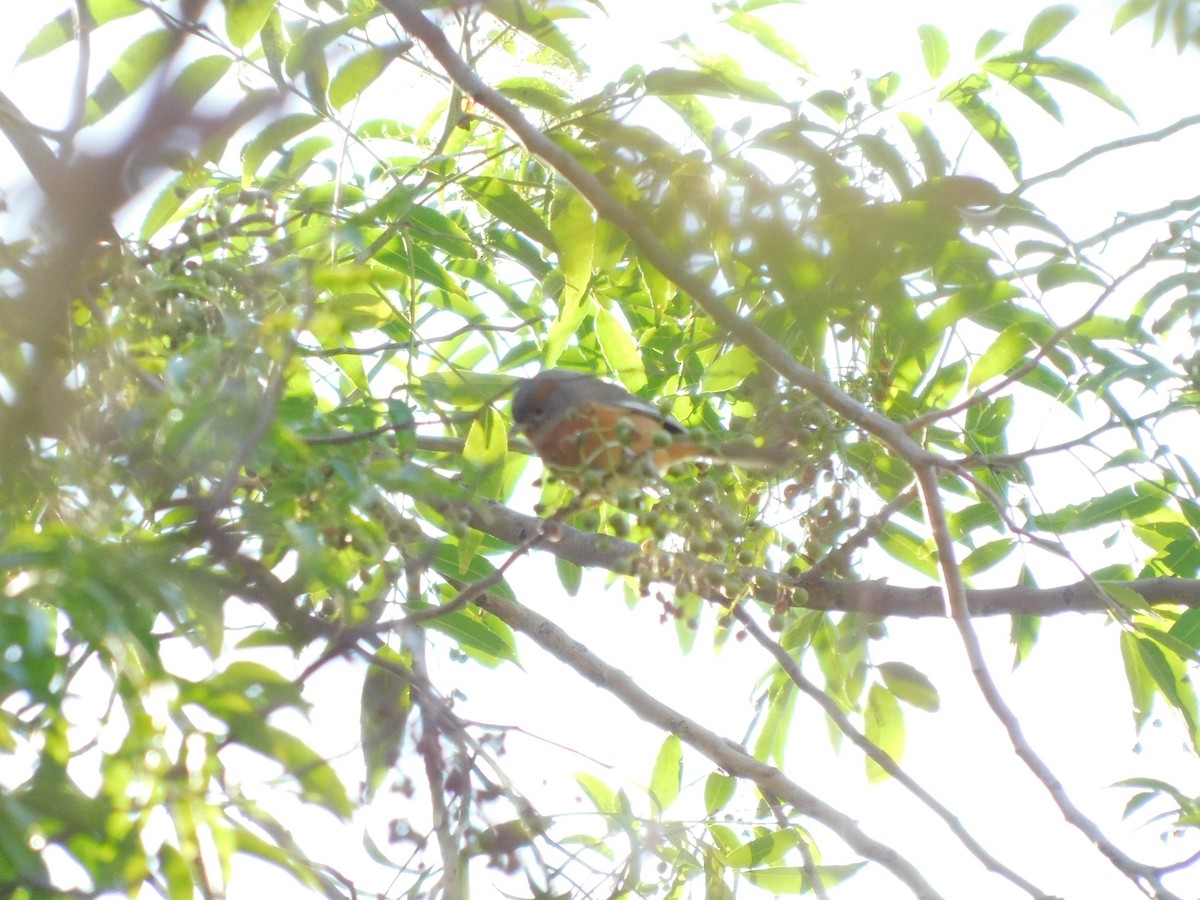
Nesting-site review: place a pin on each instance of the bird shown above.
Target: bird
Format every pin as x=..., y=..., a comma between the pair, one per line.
x=586, y=429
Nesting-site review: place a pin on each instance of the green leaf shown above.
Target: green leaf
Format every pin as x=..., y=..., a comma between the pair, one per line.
x=766, y=848
x=245, y=18
x=414, y=261
x=988, y=42
x=316, y=777
x=508, y=206
x=599, y=793
x=967, y=97
x=1131, y=10
x=445, y=561
x=780, y=880
x=884, y=727
x=1074, y=74
x=1187, y=628
x=536, y=92
x=718, y=791
x=1170, y=677
x=725, y=81
x=383, y=715
x=882, y=88
x=1130, y=502
x=935, y=49
x=929, y=151
x=667, y=777
x=619, y=349
x=728, y=370
x=766, y=36
x=487, y=640
x=574, y=228
x=1141, y=684
x=570, y=575
x=535, y=21
x=833, y=103
x=61, y=29
x=1058, y=274
x=198, y=78
x=178, y=876
x=354, y=77
x=1046, y=26
x=271, y=140
x=484, y=454
x=1009, y=348
x=910, y=685
x=133, y=67
x=986, y=556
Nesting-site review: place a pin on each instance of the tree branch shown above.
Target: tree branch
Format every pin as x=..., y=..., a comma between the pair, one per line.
x=723, y=752
x=879, y=598
x=876, y=753
x=645, y=237
x=1151, y=137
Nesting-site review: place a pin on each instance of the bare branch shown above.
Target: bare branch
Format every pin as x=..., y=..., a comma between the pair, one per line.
x=876, y=753
x=1151, y=137
x=723, y=752
x=956, y=599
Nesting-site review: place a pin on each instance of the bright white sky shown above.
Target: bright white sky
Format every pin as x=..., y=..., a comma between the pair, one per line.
x=1071, y=697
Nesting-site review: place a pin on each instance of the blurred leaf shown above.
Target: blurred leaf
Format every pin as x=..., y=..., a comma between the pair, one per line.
x=385, y=704
x=986, y=556
x=133, y=67
x=61, y=29
x=884, y=727
x=271, y=139
x=1046, y=26
x=198, y=78
x=356, y=75
x=1187, y=628
x=910, y=685
x=245, y=18
x=536, y=22
x=767, y=36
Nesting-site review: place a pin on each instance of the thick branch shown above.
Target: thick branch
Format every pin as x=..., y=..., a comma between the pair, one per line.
x=874, y=597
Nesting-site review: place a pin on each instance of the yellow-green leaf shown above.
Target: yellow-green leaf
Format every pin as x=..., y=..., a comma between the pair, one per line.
x=619, y=349
x=1009, y=347
x=934, y=48
x=884, y=727
x=667, y=776
x=245, y=18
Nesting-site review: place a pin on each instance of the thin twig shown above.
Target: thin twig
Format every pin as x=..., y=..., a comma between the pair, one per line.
x=875, y=752
x=1151, y=137
x=1032, y=362
x=723, y=752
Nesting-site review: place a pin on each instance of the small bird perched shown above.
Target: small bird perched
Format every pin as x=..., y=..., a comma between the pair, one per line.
x=579, y=425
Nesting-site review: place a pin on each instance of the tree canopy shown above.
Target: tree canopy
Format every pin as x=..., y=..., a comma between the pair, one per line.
x=258, y=471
